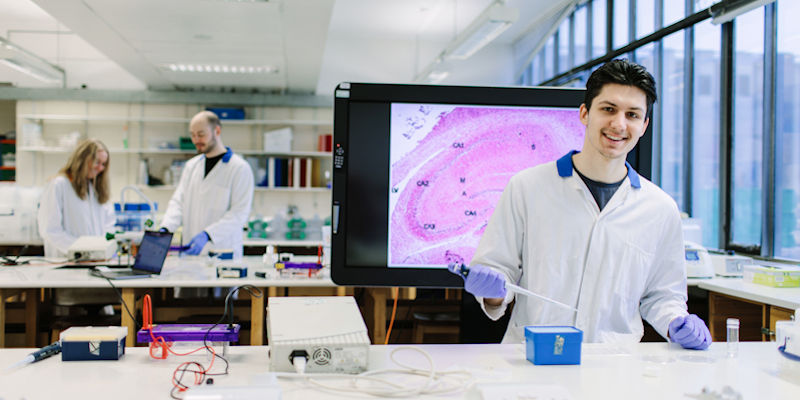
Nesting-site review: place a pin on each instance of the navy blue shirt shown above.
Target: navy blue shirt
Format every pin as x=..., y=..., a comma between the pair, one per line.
x=602, y=192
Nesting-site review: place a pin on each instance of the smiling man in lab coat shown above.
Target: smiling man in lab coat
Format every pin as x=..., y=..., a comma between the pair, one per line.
x=588, y=231
x=213, y=198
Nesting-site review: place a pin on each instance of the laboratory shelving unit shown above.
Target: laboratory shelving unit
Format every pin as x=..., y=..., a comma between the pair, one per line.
x=135, y=132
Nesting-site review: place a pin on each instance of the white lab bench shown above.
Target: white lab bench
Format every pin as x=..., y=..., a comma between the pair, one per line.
x=642, y=370
x=30, y=278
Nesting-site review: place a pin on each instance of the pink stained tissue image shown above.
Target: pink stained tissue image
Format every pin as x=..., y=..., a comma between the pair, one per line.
x=450, y=167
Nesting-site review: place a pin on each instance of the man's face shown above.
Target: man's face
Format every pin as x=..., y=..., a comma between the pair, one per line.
x=615, y=122
x=97, y=165
x=203, y=137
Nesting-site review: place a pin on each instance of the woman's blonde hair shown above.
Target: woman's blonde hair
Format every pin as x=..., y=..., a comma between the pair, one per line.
x=77, y=170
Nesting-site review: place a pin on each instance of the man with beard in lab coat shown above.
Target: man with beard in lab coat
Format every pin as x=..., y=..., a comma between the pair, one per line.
x=213, y=198
x=588, y=231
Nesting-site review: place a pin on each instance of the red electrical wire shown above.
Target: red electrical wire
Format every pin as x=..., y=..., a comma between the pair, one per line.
x=166, y=347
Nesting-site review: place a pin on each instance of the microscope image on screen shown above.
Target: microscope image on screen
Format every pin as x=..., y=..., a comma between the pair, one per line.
x=449, y=165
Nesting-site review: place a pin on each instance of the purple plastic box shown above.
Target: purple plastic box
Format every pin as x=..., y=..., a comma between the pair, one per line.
x=190, y=333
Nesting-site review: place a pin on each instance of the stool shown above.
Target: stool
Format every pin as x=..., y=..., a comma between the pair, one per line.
x=442, y=323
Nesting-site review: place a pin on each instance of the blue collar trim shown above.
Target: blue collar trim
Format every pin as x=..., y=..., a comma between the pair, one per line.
x=564, y=167
x=228, y=155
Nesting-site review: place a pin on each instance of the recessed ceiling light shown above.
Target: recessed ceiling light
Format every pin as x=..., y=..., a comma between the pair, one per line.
x=223, y=69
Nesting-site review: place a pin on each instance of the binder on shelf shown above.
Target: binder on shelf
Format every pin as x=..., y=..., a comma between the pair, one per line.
x=290, y=173
x=270, y=172
x=316, y=175
x=297, y=172
x=307, y=168
x=281, y=172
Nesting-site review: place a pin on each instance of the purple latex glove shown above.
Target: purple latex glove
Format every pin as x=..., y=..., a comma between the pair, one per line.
x=482, y=281
x=690, y=332
x=198, y=242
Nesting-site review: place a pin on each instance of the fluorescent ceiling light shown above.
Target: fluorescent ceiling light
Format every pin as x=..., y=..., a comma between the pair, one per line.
x=222, y=69
x=726, y=11
x=26, y=62
x=493, y=21
x=437, y=76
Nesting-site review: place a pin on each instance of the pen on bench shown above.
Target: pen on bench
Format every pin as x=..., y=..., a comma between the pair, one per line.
x=38, y=355
x=463, y=270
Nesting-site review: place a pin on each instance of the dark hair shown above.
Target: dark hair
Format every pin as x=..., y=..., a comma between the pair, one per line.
x=622, y=72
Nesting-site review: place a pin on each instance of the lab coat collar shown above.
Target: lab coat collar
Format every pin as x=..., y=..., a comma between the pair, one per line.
x=564, y=167
x=227, y=156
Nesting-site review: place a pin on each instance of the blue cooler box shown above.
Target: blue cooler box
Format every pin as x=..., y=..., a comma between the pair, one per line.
x=549, y=345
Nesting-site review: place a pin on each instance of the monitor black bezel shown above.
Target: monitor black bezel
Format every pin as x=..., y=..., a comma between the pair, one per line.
x=347, y=93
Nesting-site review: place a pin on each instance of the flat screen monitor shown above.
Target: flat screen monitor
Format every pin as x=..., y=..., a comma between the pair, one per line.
x=418, y=170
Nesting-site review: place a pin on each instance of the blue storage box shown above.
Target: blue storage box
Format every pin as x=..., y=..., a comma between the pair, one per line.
x=93, y=343
x=548, y=345
x=227, y=112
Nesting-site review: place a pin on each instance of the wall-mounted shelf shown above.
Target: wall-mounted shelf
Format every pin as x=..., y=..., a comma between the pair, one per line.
x=170, y=120
x=50, y=149
x=153, y=133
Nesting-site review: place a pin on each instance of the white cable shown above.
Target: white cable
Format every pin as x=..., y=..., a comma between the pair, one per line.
x=436, y=382
x=299, y=363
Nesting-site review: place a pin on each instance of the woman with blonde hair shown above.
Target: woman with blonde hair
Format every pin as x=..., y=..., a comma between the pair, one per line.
x=75, y=202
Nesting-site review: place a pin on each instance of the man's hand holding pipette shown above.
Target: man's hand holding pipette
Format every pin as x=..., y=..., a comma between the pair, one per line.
x=480, y=280
x=490, y=283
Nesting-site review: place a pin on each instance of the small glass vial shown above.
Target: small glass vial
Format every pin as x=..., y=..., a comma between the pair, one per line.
x=733, y=337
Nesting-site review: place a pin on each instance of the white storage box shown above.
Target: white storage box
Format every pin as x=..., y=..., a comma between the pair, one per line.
x=278, y=141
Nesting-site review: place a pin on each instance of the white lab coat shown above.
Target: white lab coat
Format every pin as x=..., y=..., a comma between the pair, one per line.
x=63, y=216
x=218, y=203
x=616, y=266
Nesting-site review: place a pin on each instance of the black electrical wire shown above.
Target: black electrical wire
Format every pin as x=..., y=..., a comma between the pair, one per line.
x=228, y=313
x=8, y=261
x=125, y=306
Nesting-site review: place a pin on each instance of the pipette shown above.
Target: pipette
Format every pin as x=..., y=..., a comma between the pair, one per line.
x=463, y=270
x=37, y=355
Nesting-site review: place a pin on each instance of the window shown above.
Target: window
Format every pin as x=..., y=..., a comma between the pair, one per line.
x=621, y=17
x=549, y=63
x=598, y=28
x=535, y=70
x=705, y=131
x=748, y=128
x=563, y=46
x=580, y=23
x=645, y=18
x=672, y=117
x=787, y=133
x=674, y=11
x=645, y=56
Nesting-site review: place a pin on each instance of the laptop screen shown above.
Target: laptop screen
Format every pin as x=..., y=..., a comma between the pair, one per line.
x=153, y=251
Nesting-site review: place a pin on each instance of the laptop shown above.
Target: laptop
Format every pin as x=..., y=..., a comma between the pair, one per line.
x=148, y=262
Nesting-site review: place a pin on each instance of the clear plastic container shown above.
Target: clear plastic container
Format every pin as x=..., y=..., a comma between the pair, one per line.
x=733, y=337
x=133, y=217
